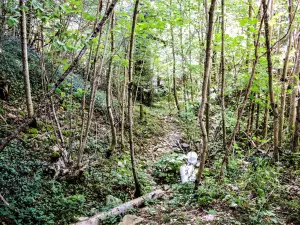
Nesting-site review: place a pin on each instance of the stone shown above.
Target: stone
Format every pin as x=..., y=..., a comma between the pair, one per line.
x=82, y=218
x=11, y=116
x=233, y=205
x=55, y=148
x=113, y=201
x=166, y=187
x=131, y=220
x=185, y=145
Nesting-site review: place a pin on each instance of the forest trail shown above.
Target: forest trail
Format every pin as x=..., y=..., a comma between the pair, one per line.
x=168, y=142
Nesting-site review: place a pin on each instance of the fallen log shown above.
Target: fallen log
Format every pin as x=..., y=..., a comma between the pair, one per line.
x=121, y=209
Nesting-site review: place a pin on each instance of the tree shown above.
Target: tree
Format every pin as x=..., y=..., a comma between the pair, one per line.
x=207, y=65
x=270, y=73
x=109, y=93
x=138, y=191
x=23, y=22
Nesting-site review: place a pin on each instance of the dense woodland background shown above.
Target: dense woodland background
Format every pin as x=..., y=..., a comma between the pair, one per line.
x=102, y=99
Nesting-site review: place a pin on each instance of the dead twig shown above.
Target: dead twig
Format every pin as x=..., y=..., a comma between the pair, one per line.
x=3, y=199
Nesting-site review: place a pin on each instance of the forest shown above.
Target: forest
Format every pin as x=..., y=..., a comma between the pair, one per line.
x=149, y=112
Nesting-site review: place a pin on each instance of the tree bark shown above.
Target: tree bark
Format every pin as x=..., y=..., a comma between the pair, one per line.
x=122, y=209
x=25, y=59
x=109, y=94
x=207, y=66
x=174, y=67
x=123, y=106
x=284, y=80
x=223, y=83
x=293, y=105
x=297, y=122
x=138, y=190
x=270, y=72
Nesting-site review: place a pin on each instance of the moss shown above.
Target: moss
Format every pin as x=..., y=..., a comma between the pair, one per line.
x=55, y=155
x=33, y=131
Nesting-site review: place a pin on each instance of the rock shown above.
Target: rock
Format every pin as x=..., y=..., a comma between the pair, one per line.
x=55, y=148
x=233, y=187
x=166, y=187
x=93, y=211
x=82, y=218
x=113, y=201
x=11, y=116
x=233, y=205
x=131, y=220
x=185, y=145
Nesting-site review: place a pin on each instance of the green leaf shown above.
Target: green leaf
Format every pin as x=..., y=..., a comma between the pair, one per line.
x=12, y=21
x=88, y=17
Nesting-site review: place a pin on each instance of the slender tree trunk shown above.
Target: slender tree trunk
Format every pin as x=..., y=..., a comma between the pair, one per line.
x=207, y=66
x=123, y=107
x=138, y=191
x=284, y=80
x=270, y=72
x=297, y=122
x=184, y=76
x=293, y=105
x=266, y=119
x=25, y=59
x=174, y=69
x=223, y=83
x=257, y=116
x=250, y=111
x=109, y=93
x=251, y=117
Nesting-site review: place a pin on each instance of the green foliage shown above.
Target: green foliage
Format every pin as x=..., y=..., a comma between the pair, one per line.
x=166, y=169
x=149, y=127
x=11, y=67
x=183, y=193
x=34, y=198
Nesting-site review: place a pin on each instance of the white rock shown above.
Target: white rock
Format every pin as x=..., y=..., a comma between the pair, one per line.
x=82, y=218
x=11, y=116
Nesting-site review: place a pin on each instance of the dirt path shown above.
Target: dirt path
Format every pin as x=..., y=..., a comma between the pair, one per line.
x=168, y=142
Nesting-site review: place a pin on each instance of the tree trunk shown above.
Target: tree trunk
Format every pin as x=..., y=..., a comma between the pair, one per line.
x=293, y=108
x=25, y=59
x=207, y=66
x=223, y=84
x=174, y=68
x=284, y=80
x=123, y=107
x=138, y=190
x=109, y=94
x=121, y=209
x=270, y=72
x=297, y=122
x=257, y=116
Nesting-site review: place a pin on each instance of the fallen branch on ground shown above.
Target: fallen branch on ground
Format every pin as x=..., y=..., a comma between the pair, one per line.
x=135, y=203
x=3, y=199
